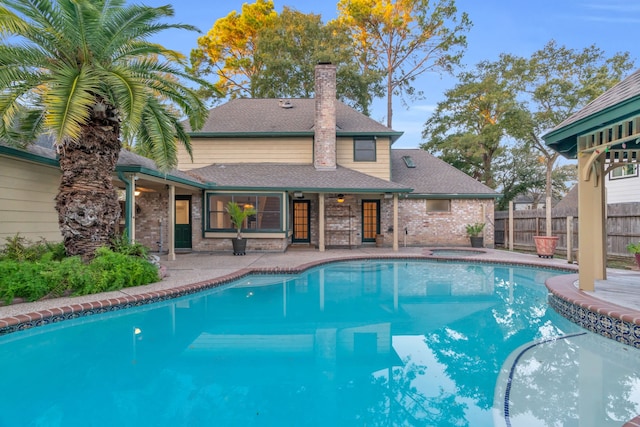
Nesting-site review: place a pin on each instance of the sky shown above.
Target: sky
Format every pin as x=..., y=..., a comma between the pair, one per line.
x=499, y=26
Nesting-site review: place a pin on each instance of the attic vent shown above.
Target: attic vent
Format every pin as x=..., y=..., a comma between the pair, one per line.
x=408, y=161
x=285, y=103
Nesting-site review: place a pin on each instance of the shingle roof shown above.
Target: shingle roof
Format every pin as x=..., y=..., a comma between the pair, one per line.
x=433, y=176
x=626, y=89
x=126, y=158
x=302, y=177
x=261, y=116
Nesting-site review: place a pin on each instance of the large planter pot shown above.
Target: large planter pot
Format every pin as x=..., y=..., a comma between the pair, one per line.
x=545, y=245
x=379, y=240
x=477, y=241
x=239, y=246
x=637, y=260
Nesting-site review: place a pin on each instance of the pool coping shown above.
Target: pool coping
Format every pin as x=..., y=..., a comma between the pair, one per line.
x=33, y=319
x=602, y=317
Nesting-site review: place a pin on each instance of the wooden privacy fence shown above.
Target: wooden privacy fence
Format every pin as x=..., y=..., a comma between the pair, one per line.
x=623, y=227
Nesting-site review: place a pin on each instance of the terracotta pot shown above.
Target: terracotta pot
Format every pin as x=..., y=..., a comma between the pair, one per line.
x=545, y=245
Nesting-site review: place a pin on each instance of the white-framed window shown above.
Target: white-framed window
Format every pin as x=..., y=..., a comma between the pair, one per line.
x=625, y=171
x=438, y=205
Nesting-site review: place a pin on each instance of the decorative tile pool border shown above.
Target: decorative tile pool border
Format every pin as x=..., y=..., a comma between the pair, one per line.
x=607, y=319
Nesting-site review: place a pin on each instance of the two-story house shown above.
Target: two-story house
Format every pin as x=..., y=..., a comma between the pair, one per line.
x=317, y=172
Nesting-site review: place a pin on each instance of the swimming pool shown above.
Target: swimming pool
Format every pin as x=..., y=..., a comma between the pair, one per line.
x=346, y=344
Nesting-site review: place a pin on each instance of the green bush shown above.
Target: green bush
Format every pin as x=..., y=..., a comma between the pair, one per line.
x=36, y=271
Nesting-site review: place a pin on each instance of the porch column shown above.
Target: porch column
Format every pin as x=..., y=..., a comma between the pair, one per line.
x=130, y=220
x=321, y=208
x=592, y=255
x=395, y=222
x=171, y=223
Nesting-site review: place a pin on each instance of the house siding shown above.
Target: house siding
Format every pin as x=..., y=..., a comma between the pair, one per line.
x=623, y=190
x=27, y=200
x=381, y=168
x=207, y=151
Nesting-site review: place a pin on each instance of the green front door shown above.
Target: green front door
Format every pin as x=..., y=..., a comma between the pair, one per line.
x=183, y=222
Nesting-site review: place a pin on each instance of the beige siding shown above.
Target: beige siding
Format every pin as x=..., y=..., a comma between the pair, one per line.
x=246, y=150
x=27, y=200
x=381, y=168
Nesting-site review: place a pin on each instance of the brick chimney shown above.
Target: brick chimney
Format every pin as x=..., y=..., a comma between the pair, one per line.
x=324, y=152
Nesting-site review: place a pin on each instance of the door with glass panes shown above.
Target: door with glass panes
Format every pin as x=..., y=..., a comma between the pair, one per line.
x=370, y=220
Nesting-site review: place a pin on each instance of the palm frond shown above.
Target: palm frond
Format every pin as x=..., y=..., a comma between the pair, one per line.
x=68, y=104
x=157, y=135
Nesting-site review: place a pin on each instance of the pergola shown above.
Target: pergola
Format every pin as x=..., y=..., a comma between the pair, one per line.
x=603, y=135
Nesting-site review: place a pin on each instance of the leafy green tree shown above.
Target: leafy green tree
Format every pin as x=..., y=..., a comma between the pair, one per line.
x=467, y=128
x=553, y=84
x=404, y=39
x=229, y=50
x=291, y=47
x=85, y=72
x=519, y=170
x=262, y=54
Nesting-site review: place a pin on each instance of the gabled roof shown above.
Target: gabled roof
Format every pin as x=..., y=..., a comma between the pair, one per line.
x=292, y=177
x=434, y=177
x=616, y=104
x=266, y=117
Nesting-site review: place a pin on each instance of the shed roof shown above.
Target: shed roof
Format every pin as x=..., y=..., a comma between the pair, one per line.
x=301, y=177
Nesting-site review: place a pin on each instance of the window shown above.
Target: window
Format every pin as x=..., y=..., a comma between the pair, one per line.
x=268, y=215
x=624, y=171
x=438, y=205
x=364, y=150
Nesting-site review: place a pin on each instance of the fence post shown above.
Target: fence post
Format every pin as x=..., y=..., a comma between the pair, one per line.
x=570, y=239
x=511, y=225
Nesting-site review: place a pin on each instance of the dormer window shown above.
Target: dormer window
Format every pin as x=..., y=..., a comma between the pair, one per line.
x=364, y=149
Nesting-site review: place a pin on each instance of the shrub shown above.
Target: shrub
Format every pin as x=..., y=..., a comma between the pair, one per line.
x=111, y=271
x=41, y=270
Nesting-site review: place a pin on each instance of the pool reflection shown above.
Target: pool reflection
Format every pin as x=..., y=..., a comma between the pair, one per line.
x=357, y=343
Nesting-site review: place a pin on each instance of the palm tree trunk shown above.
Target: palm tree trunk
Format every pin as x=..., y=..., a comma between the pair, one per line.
x=87, y=203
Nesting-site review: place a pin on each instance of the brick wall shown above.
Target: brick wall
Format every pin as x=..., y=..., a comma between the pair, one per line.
x=438, y=228
x=343, y=224
x=325, y=117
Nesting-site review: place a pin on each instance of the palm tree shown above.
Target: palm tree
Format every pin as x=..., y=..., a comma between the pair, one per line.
x=85, y=72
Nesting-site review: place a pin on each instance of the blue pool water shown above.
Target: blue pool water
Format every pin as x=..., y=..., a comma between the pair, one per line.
x=366, y=343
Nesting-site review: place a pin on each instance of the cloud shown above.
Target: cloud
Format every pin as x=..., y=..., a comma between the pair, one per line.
x=611, y=12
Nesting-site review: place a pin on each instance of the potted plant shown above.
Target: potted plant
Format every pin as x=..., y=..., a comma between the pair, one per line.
x=634, y=249
x=474, y=231
x=238, y=216
x=546, y=245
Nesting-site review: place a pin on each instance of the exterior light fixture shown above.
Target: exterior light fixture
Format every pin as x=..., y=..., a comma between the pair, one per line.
x=298, y=195
x=340, y=198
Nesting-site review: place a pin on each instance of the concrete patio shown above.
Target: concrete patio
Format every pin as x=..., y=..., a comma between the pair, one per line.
x=622, y=287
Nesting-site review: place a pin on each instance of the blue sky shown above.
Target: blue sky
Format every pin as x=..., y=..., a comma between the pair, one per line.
x=499, y=26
